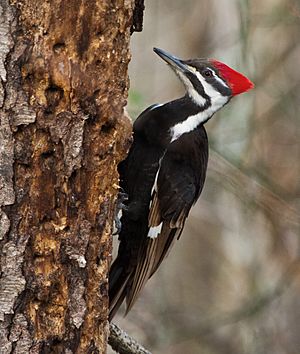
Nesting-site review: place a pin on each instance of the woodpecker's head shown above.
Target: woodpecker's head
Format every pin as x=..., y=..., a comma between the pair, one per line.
x=208, y=82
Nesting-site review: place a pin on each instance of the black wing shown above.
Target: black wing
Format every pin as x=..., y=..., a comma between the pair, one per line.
x=180, y=181
x=137, y=175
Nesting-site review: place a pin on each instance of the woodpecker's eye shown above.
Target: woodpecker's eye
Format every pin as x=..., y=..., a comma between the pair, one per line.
x=207, y=73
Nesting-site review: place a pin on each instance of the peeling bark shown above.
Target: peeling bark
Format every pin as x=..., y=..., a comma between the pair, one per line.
x=63, y=88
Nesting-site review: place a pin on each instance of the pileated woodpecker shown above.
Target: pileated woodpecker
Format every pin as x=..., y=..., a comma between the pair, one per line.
x=164, y=172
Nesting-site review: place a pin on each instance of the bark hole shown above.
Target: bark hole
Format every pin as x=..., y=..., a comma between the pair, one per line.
x=59, y=47
x=54, y=95
x=108, y=126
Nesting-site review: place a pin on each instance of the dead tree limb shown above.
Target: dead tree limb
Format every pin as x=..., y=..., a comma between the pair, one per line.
x=122, y=343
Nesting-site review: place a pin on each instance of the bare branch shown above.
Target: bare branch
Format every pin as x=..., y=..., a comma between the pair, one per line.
x=122, y=343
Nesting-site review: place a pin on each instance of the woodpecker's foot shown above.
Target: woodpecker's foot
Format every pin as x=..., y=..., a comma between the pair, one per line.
x=122, y=197
x=117, y=225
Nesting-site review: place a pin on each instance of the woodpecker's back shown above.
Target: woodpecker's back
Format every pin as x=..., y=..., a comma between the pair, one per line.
x=164, y=172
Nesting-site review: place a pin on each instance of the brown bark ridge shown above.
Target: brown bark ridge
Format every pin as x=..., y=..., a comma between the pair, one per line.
x=63, y=88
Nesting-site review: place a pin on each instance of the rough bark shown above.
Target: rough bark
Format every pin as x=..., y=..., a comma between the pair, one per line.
x=63, y=69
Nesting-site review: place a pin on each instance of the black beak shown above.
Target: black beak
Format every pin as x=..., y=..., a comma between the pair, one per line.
x=175, y=63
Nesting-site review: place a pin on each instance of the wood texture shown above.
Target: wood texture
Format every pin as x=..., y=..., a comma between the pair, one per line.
x=63, y=130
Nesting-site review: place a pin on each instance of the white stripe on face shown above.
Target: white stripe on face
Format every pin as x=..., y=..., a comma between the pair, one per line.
x=217, y=101
x=219, y=79
x=195, y=96
x=192, y=122
x=216, y=98
x=213, y=93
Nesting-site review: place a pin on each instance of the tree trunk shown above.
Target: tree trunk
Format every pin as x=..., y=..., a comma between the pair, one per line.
x=63, y=69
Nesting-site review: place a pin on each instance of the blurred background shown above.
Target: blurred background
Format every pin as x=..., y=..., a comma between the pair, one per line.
x=232, y=282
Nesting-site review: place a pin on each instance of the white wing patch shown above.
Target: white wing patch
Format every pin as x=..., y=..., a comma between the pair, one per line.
x=154, y=187
x=155, y=231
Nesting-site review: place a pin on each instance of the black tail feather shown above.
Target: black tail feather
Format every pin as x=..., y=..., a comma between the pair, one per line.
x=118, y=282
